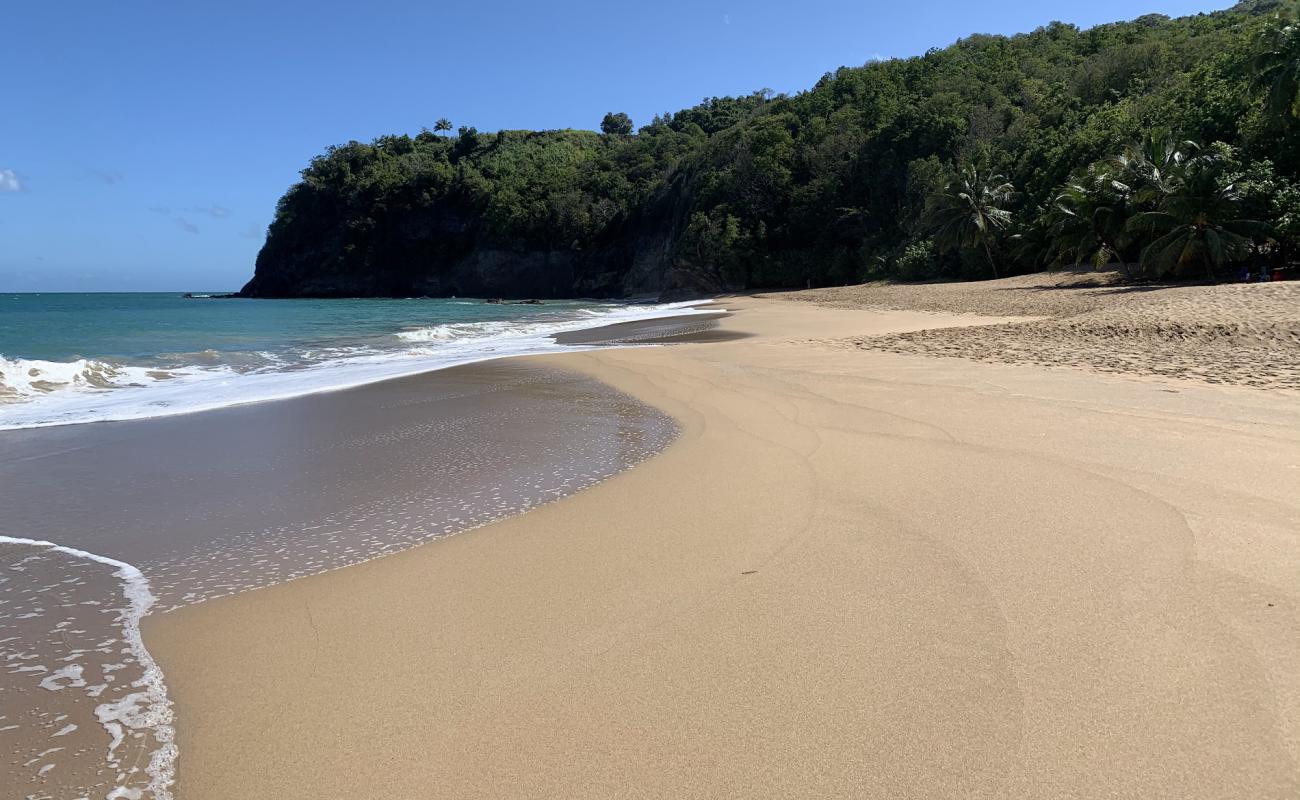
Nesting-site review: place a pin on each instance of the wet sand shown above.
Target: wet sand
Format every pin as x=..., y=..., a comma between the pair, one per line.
x=856, y=573
x=697, y=329
x=217, y=503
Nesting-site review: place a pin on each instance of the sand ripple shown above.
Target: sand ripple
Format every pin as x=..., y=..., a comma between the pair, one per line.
x=1241, y=334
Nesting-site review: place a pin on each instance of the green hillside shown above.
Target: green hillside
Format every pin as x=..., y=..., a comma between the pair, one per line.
x=1167, y=145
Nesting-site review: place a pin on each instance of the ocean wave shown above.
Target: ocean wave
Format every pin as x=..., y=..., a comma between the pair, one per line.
x=23, y=377
x=582, y=319
x=42, y=393
x=451, y=331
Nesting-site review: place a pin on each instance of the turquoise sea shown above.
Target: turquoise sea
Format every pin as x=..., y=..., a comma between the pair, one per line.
x=70, y=358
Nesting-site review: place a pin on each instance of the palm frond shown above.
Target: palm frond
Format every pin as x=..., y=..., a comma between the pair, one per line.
x=1166, y=252
x=1152, y=221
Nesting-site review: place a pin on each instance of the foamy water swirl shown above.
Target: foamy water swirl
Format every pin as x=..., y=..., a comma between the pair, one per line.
x=146, y=711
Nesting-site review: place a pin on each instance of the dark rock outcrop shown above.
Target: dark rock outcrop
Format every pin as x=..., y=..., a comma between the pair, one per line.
x=442, y=254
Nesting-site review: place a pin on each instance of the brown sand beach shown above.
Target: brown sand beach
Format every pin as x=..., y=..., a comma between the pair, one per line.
x=207, y=505
x=860, y=571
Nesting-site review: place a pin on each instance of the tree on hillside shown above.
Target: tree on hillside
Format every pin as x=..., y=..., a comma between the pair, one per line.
x=616, y=124
x=468, y=139
x=1199, y=222
x=1276, y=67
x=971, y=213
x=443, y=124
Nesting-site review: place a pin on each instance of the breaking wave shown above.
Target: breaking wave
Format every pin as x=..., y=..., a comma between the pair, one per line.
x=35, y=393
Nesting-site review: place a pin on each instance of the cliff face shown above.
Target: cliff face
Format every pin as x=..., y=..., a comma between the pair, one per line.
x=431, y=267
x=443, y=251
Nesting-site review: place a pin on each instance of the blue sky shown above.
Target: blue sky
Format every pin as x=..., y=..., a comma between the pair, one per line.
x=143, y=144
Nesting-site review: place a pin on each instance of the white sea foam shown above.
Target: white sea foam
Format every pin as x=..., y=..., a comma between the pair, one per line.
x=459, y=330
x=492, y=330
x=41, y=393
x=148, y=710
x=31, y=377
x=55, y=681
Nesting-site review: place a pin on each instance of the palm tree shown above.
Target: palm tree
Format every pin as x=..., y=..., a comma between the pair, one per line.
x=1199, y=221
x=1089, y=218
x=1034, y=244
x=443, y=124
x=1145, y=166
x=1276, y=67
x=970, y=213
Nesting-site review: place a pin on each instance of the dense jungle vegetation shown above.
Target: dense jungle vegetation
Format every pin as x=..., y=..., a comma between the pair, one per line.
x=1166, y=146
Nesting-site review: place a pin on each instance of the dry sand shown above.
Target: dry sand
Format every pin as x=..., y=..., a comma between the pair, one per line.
x=1244, y=334
x=856, y=574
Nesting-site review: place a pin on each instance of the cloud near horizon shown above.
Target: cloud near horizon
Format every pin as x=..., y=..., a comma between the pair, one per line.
x=9, y=181
x=186, y=225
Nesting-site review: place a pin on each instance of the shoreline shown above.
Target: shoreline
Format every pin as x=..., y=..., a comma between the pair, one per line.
x=171, y=391
x=854, y=573
x=187, y=508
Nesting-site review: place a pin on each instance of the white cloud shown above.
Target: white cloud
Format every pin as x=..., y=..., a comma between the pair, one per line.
x=9, y=181
x=214, y=211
